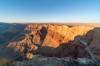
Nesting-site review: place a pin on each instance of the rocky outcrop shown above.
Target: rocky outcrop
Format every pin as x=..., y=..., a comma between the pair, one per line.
x=94, y=37
x=54, y=61
x=54, y=35
x=51, y=40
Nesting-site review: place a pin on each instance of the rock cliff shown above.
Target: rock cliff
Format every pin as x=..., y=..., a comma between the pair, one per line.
x=52, y=40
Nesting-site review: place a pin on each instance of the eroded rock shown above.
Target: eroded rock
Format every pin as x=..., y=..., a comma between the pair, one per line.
x=52, y=40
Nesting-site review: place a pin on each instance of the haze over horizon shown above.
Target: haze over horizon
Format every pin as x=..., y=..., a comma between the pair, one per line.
x=12, y=11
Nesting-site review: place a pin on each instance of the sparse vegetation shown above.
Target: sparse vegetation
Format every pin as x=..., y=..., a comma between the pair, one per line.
x=5, y=62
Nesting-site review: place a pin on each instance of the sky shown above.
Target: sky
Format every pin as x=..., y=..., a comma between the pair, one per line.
x=50, y=11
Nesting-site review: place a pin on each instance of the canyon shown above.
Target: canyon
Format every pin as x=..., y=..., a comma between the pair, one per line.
x=51, y=40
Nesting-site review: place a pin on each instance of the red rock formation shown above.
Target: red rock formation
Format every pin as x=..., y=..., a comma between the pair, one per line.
x=53, y=40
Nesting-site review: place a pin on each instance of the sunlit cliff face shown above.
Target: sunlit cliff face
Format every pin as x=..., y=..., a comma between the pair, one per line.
x=58, y=34
x=52, y=39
